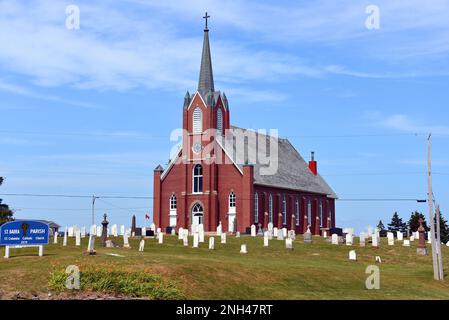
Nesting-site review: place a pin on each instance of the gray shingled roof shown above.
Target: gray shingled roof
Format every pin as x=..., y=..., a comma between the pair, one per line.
x=206, y=80
x=293, y=171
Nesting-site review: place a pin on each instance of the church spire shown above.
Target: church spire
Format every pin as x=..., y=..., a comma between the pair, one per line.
x=206, y=80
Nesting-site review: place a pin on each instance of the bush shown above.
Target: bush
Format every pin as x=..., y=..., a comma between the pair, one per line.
x=130, y=284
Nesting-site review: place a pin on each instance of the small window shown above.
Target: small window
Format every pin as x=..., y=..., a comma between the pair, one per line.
x=297, y=211
x=256, y=208
x=219, y=121
x=197, y=178
x=197, y=121
x=232, y=200
x=284, y=210
x=173, y=202
x=309, y=212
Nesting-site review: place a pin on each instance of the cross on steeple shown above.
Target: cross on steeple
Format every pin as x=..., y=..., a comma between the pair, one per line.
x=205, y=18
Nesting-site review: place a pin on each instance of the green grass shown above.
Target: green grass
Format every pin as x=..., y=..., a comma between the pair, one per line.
x=313, y=271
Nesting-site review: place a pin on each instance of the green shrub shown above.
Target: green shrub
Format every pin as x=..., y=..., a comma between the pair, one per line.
x=130, y=284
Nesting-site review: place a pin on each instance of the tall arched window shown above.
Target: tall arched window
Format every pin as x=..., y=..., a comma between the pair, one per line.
x=172, y=214
x=197, y=178
x=197, y=121
x=321, y=214
x=270, y=208
x=231, y=202
x=297, y=211
x=256, y=208
x=219, y=121
x=173, y=202
x=309, y=212
x=284, y=210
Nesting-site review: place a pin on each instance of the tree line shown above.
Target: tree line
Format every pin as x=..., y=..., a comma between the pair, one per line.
x=397, y=225
x=5, y=212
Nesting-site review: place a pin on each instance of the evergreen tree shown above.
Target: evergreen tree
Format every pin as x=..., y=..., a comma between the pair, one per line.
x=413, y=223
x=444, y=229
x=396, y=224
x=380, y=226
x=5, y=212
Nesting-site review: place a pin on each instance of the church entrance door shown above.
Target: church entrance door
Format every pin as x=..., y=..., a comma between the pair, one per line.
x=197, y=214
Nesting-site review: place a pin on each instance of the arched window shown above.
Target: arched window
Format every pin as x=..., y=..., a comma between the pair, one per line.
x=284, y=210
x=197, y=178
x=219, y=121
x=173, y=202
x=270, y=208
x=256, y=208
x=172, y=214
x=297, y=211
x=197, y=214
x=321, y=214
x=197, y=121
x=309, y=212
x=231, y=201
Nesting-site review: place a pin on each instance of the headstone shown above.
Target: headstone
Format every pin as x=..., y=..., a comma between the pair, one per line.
x=348, y=230
x=412, y=238
x=99, y=230
x=270, y=234
x=280, y=235
x=270, y=226
x=185, y=238
x=308, y=236
x=325, y=234
x=91, y=244
x=253, y=230
x=349, y=239
x=292, y=235
x=173, y=232
x=144, y=232
x=375, y=241
x=265, y=239
x=260, y=230
x=142, y=245
x=284, y=232
x=55, y=238
x=158, y=230
x=288, y=243
x=122, y=230
x=83, y=232
x=362, y=239
x=406, y=243
x=64, y=243
x=71, y=232
x=378, y=259
x=237, y=234
x=195, y=240
x=243, y=248
x=201, y=233
x=219, y=229
x=104, y=232
x=391, y=241
x=223, y=238
x=78, y=238
x=114, y=230
x=125, y=240
x=180, y=233
x=153, y=227
x=275, y=232
x=160, y=237
x=400, y=236
x=211, y=243
x=352, y=255
x=335, y=239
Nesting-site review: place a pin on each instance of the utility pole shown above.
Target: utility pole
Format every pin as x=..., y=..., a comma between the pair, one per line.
x=435, y=254
x=93, y=208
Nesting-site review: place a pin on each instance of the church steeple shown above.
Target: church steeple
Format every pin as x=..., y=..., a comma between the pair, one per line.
x=206, y=80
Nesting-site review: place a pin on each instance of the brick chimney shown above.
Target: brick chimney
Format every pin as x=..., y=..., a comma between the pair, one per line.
x=312, y=164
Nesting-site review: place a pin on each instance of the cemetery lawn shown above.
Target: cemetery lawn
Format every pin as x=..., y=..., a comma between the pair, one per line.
x=311, y=271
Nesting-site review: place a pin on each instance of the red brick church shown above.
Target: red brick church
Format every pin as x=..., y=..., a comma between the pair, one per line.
x=213, y=179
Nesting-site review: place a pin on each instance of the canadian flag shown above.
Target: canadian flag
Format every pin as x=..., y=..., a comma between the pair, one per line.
x=147, y=216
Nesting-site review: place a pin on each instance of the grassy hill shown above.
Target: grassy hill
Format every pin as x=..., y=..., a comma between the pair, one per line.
x=311, y=271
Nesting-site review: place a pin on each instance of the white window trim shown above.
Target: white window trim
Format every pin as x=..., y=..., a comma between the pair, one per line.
x=256, y=208
x=220, y=121
x=270, y=208
x=193, y=179
x=232, y=209
x=297, y=211
x=197, y=124
x=309, y=212
x=284, y=210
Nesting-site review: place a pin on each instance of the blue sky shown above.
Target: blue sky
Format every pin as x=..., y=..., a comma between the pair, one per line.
x=90, y=111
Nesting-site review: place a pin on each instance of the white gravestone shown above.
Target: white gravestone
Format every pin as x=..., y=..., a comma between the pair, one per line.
x=71, y=232
x=412, y=238
x=406, y=243
x=400, y=236
x=391, y=240
x=362, y=239
x=180, y=233
x=211, y=243
x=334, y=239
x=153, y=227
x=288, y=243
x=275, y=232
x=55, y=238
x=270, y=226
x=143, y=232
x=201, y=233
x=237, y=234
x=280, y=235
x=122, y=230
x=125, y=240
x=173, y=232
x=265, y=239
x=141, y=245
x=378, y=259
x=253, y=230
x=325, y=234
x=243, y=248
x=64, y=243
x=91, y=244
x=219, y=229
x=160, y=238
x=185, y=238
x=78, y=238
x=375, y=241
x=114, y=230
x=349, y=239
x=83, y=232
x=99, y=229
x=195, y=240
x=223, y=238
x=284, y=232
x=352, y=255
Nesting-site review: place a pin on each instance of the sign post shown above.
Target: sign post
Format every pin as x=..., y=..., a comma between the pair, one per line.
x=24, y=233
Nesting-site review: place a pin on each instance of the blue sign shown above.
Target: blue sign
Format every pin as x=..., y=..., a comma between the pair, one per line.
x=24, y=232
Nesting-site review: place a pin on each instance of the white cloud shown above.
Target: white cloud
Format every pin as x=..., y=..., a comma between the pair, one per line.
x=404, y=123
